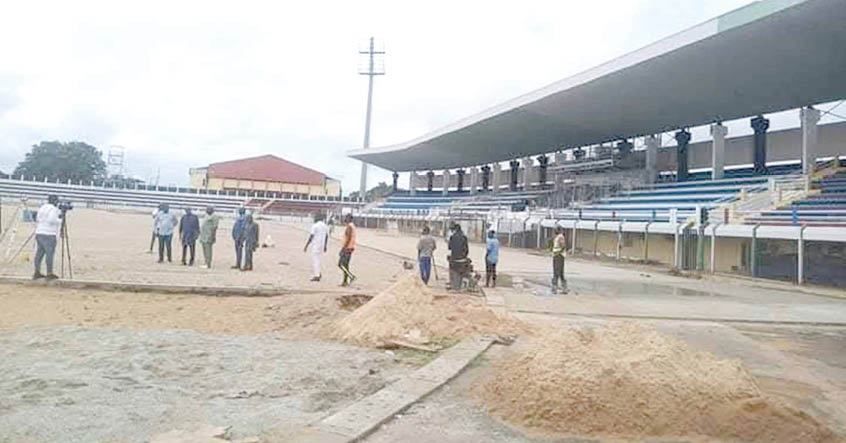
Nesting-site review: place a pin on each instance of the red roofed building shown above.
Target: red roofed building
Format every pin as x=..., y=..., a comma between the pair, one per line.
x=264, y=173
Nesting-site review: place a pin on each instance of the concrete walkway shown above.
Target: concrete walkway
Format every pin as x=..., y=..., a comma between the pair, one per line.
x=618, y=290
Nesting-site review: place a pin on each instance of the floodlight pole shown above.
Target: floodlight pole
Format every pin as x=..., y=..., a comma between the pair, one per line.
x=370, y=73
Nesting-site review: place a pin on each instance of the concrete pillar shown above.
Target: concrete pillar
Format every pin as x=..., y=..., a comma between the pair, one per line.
x=395, y=176
x=460, y=173
x=474, y=179
x=560, y=158
x=718, y=150
x=486, y=177
x=412, y=178
x=446, y=182
x=515, y=170
x=653, y=142
x=543, y=164
x=528, y=173
x=683, y=139
x=760, y=125
x=809, y=118
x=430, y=180
x=497, y=173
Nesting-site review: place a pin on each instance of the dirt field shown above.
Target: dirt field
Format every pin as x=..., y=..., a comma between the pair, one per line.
x=125, y=367
x=114, y=246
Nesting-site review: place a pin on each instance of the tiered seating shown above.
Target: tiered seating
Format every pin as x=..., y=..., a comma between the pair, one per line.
x=139, y=198
x=403, y=202
x=81, y=194
x=788, y=167
x=503, y=200
x=828, y=208
x=653, y=203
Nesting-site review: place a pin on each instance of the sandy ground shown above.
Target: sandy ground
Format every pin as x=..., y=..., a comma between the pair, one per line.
x=114, y=246
x=124, y=367
x=800, y=366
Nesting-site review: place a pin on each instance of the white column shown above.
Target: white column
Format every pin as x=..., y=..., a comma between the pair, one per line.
x=446, y=181
x=653, y=142
x=809, y=118
x=496, y=171
x=474, y=179
x=528, y=173
x=559, y=158
x=412, y=181
x=718, y=150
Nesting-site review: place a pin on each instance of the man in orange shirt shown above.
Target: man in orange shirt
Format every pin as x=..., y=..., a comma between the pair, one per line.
x=347, y=250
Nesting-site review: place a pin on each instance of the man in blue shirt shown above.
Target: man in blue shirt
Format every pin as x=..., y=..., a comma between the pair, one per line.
x=491, y=259
x=165, y=224
x=239, y=236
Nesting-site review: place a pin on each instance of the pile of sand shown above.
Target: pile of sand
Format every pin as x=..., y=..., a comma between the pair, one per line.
x=626, y=379
x=410, y=311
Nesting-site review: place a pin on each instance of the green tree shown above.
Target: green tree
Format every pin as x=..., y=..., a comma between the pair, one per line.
x=382, y=190
x=75, y=161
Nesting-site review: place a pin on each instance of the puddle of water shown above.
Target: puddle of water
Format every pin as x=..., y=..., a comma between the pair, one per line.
x=616, y=289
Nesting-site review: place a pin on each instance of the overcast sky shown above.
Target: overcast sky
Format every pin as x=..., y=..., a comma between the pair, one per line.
x=182, y=84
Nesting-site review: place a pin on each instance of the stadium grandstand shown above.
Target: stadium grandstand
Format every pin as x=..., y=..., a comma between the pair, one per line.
x=267, y=185
x=589, y=153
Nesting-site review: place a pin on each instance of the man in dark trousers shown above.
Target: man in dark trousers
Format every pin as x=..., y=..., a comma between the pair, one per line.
x=458, y=261
x=251, y=242
x=238, y=236
x=347, y=249
x=49, y=221
x=165, y=224
x=189, y=230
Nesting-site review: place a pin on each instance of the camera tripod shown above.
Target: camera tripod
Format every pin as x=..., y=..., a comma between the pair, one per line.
x=66, y=251
x=64, y=237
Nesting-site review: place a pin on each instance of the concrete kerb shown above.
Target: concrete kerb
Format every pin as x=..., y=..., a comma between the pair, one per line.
x=216, y=291
x=363, y=417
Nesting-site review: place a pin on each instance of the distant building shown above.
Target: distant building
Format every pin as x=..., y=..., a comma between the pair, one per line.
x=265, y=173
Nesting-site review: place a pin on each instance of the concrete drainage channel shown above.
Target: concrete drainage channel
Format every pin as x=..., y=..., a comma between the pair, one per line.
x=361, y=418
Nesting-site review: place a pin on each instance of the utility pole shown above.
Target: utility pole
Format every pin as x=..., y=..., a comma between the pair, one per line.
x=372, y=70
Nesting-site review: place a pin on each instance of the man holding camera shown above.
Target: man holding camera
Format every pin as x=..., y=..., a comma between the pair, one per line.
x=48, y=219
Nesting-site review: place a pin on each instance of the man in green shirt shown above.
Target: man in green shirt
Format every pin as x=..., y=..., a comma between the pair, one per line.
x=208, y=234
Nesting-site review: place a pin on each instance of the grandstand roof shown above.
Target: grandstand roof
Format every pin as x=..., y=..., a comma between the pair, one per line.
x=266, y=168
x=769, y=56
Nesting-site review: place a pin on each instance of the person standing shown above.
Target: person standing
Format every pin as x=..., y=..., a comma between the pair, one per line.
x=208, y=235
x=425, y=251
x=559, y=251
x=153, y=237
x=189, y=230
x=319, y=241
x=238, y=236
x=458, y=250
x=48, y=219
x=347, y=249
x=491, y=259
x=251, y=242
x=165, y=224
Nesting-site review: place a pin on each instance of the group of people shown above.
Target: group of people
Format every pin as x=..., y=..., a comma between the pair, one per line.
x=245, y=235
x=460, y=265
x=318, y=243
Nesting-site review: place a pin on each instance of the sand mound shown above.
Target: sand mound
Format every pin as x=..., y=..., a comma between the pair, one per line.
x=626, y=379
x=408, y=310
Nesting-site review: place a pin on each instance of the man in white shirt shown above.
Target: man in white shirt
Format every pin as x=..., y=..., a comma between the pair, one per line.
x=48, y=219
x=319, y=241
x=165, y=224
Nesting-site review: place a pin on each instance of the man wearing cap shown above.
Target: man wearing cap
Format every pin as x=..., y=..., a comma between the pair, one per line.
x=425, y=251
x=48, y=219
x=208, y=235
